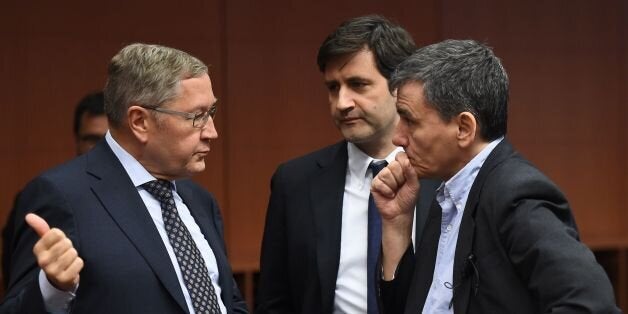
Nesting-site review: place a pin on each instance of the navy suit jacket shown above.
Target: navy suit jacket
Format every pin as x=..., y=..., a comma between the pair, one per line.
x=127, y=268
x=517, y=251
x=301, y=244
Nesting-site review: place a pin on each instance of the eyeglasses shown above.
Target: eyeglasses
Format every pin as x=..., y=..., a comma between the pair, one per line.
x=199, y=119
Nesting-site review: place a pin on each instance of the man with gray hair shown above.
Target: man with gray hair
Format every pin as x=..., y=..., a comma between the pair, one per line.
x=500, y=236
x=121, y=229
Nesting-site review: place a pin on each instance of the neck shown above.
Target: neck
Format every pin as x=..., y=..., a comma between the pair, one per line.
x=377, y=150
x=467, y=154
x=126, y=141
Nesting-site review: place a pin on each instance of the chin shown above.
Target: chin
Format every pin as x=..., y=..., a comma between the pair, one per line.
x=421, y=172
x=356, y=137
x=196, y=167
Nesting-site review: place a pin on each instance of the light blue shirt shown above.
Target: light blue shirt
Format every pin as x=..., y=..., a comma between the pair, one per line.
x=452, y=198
x=57, y=301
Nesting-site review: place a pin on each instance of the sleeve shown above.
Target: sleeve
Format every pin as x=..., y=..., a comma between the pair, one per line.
x=238, y=303
x=273, y=294
x=24, y=294
x=55, y=300
x=538, y=231
x=394, y=293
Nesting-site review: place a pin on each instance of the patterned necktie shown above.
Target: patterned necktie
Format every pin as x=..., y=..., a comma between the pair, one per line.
x=193, y=268
x=374, y=243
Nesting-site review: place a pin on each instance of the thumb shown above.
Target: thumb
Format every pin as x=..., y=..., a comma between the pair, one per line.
x=38, y=224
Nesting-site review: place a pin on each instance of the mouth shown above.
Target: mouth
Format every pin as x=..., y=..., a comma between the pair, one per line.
x=349, y=120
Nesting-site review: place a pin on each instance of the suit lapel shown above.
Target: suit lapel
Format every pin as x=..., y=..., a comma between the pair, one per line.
x=463, y=274
x=425, y=260
x=326, y=193
x=199, y=212
x=427, y=193
x=122, y=201
x=463, y=269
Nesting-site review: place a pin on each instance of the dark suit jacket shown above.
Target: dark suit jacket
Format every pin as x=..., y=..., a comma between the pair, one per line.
x=127, y=268
x=301, y=245
x=517, y=252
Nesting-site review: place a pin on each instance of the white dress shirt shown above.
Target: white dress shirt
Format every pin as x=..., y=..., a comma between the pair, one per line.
x=351, y=286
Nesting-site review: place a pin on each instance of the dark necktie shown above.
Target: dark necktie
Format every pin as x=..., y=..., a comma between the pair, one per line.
x=374, y=243
x=193, y=268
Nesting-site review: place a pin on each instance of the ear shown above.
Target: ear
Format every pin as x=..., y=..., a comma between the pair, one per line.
x=139, y=122
x=394, y=93
x=467, y=129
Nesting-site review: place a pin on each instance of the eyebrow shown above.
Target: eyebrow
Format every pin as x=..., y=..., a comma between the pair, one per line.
x=403, y=111
x=359, y=79
x=202, y=107
x=350, y=79
x=213, y=104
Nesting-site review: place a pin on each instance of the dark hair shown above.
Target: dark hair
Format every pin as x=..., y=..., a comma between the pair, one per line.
x=459, y=76
x=92, y=104
x=389, y=42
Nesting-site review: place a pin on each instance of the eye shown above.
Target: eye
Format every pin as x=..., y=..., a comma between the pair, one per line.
x=332, y=87
x=358, y=84
x=405, y=117
x=212, y=111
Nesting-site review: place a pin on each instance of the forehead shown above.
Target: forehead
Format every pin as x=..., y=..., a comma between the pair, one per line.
x=360, y=63
x=196, y=91
x=411, y=94
x=411, y=99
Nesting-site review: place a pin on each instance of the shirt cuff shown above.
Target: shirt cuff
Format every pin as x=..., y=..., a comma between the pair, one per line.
x=411, y=246
x=55, y=300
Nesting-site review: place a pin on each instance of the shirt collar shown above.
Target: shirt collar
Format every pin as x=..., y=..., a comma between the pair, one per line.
x=359, y=161
x=457, y=188
x=138, y=174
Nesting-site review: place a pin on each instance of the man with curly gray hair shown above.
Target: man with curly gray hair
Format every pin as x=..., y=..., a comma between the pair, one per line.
x=121, y=229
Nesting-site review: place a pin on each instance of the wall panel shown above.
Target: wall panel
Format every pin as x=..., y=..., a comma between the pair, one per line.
x=277, y=101
x=566, y=61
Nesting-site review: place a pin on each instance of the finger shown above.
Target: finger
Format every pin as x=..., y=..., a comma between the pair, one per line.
x=380, y=189
x=401, y=156
x=51, y=238
x=409, y=173
x=54, y=253
x=71, y=274
x=385, y=181
x=58, y=270
x=38, y=224
x=392, y=176
x=65, y=261
x=397, y=173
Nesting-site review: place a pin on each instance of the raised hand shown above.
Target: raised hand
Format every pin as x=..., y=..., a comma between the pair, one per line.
x=55, y=254
x=395, y=190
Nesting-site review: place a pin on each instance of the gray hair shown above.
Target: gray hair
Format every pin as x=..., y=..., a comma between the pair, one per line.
x=146, y=75
x=459, y=76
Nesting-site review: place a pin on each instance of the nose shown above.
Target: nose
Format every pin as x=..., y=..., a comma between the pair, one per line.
x=209, y=130
x=344, y=100
x=400, y=137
